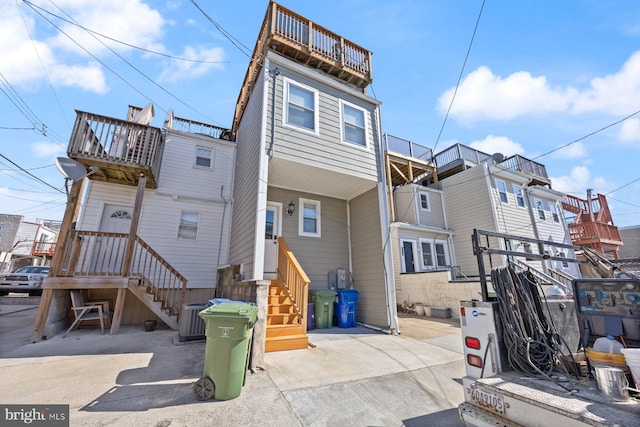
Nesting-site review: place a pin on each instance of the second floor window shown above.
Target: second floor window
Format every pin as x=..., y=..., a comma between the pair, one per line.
x=554, y=212
x=540, y=209
x=502, y=191
x=353, y=125
x=301, y=107
x=519, y=195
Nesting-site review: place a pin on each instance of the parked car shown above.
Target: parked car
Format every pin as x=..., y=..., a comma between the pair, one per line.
x=24, y=279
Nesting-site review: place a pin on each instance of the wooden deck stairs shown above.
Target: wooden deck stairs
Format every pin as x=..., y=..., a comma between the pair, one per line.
x=153, y=301
x=284, y=328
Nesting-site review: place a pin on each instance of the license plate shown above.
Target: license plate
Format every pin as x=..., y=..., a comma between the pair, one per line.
x=487, y=399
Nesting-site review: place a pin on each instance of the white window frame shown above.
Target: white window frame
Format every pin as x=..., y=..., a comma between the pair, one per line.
x=553, y=208
x=285, y=107
x=539, y=206
x=426, y=195
x=506, y=194
x=316, y=203
x=195, y=157
x=403, y=264
x=181, y=226
x=518, y=191
x=434, y=255
x=343, y=124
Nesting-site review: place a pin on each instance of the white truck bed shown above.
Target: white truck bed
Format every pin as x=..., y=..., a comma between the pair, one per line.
x=516, y=400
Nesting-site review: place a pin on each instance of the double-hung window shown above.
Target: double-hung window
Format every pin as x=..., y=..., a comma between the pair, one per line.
x=424, y=201
x=188, y=228
x=309, y=218
x=353, y=125
x=301, y=107
x=554, y=212
x=517, y=189
x=204, y=158
x=540, y=209
x=433, y=254
x=502, y=191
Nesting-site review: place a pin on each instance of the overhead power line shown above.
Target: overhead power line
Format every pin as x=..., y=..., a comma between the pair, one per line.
x=30, y=174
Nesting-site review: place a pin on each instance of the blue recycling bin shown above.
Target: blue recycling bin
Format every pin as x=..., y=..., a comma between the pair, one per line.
x=345, y=308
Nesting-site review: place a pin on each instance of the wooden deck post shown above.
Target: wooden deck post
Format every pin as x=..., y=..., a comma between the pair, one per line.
x=58, y=258
x=133, y=230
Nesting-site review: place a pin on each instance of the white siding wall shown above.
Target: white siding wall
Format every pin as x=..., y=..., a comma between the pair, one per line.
x=317, y=255
x=631, y=240
x=245, y=190
x=324, y=150
x=26, y=235
x=181, y=188
x=368, y=268
x=467, y=200
x=408, y=208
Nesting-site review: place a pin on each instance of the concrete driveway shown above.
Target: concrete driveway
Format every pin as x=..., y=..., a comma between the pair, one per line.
x=353, y=376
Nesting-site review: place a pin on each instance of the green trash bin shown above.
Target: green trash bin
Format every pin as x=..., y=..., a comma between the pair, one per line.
x=229, y=331
x=323, y=305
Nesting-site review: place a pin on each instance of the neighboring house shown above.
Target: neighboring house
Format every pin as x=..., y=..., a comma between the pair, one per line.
x=511, y=196
x=33, y=243
x=9, y=225
x=155, y=219
x=309, y=168
x=631, y=238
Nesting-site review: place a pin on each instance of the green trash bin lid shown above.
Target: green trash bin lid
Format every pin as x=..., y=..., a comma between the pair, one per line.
x=235, y=310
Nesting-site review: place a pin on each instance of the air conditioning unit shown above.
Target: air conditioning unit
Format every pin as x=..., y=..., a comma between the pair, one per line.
x=192, y=326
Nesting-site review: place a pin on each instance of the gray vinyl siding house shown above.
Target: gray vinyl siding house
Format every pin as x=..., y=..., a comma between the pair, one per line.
x=302, y=156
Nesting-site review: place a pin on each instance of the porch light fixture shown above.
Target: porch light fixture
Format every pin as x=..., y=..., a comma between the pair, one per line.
x=291, y=208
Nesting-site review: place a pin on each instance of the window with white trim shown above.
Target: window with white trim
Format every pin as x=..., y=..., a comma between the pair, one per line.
x=204, y=157
x=519, y=192
x=188, y=228
x=502, y=191
x=434, y=254
x=353, y=124
x=564, y=264
x=309, y=218
x=301, y=107
x=554, y=212
x=424, y=201
x=540, y=208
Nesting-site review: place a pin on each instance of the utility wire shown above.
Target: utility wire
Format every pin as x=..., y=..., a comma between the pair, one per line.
x=178, y=58
x=459, y=77
x=30, y=174
x=621, y=187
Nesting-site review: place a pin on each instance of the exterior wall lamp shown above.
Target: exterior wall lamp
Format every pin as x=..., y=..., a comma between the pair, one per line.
x=291, y=208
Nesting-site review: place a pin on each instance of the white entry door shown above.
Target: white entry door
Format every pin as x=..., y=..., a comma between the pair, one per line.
x=109, y=251
x=272, y=231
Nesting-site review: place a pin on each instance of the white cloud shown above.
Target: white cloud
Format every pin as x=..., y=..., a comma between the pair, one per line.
x=616, y=93
x=579, y=180
x=573, y=151
x=89, y=78
x=483, y=95
x=576, y=183
x=181, y=70
x=46, y=149
x=498, y=144
x=630, y=131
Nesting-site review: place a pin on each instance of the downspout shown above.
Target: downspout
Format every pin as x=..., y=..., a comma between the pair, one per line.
x=349, y=244
x=274, y=73
x=224, y=211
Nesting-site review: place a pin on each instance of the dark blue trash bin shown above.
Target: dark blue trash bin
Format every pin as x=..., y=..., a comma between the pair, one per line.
x=345, y=308
x=311, y=318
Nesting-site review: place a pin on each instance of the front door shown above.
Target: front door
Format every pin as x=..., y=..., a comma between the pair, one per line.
x=407, y=257
x=272, y=230
x=108, y=251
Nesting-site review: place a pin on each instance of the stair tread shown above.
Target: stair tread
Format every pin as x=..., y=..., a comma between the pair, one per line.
x=286, y=337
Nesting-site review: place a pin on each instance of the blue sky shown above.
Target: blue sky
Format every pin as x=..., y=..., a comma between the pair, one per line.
x=539, y=75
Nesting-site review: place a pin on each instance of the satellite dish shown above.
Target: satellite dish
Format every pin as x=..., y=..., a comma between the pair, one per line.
x=498, y=157
x=71, y=169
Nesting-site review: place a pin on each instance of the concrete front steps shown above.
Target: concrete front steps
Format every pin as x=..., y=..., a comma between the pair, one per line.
x=283, y=329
